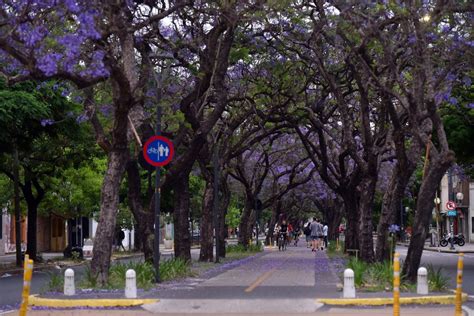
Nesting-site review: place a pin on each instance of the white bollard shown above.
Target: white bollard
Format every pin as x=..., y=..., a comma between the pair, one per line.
x=422, y=281
x=349, y=287
x=130, y=284
x=69, y=287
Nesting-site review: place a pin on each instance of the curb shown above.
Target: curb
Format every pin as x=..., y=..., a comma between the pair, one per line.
x=443, y=250
x=377, y=301
x=33, y=300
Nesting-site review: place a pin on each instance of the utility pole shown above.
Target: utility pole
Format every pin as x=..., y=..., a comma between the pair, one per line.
x=156, y=253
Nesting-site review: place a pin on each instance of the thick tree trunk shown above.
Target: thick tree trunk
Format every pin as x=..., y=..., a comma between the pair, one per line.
x=424, y=207
x=207, y=242
x=182, y=240
x=367, y=188
x=391, y=204
x=244, y=233
x=32, y=230
x=144, y=219
x=117, y=160
x=223, y=205
x=333, y=218
x=351, y=233
x=276, y=210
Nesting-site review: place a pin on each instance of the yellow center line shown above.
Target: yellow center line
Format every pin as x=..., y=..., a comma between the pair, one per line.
x=259, y=280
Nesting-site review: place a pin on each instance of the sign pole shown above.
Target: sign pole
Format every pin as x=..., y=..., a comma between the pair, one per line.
x=156, y=258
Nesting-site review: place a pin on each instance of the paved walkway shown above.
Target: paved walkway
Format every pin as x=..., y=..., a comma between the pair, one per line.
x=467, y=248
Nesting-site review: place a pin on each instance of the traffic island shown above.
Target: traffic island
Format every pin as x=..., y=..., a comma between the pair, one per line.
x=34, y=300
x=378, y=301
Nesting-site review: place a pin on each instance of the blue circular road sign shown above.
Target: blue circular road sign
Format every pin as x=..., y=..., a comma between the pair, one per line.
x=158, y=151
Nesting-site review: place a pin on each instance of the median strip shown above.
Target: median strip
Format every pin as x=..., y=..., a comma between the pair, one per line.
x=435, y=299
x=50, y=302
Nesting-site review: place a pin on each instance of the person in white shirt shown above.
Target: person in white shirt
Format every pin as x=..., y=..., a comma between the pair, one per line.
x=325, y=234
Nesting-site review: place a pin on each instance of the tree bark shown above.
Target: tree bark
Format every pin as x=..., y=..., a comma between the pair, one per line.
x=366, y=202
x=424, y=206
x=223, y=205
x=16, y=184
x=182, y=241
x=244, y=234
x=144, y=219
x=117, y=160
x=276, y=210
x=352, y=219
x=206, y=253
x=391, y=204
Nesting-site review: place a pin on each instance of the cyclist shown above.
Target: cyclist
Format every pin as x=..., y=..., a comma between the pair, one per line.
x=282, y=229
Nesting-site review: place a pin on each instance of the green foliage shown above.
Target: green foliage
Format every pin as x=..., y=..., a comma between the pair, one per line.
x=332, y=251
x=90, y=280
x=145, y=273
x=174, y=269
x=436, y=280
x=56, y=282
x=232, y=218
x=359, y=267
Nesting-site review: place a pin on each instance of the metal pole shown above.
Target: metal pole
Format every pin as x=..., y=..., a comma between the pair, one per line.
x=215, y=163
x=156, y=257
x=451, y=198
x=256, y=215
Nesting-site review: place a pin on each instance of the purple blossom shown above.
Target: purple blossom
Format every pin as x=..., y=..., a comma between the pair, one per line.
x=453, y=100
x=467, y=81
x=412, y=39
x=82, y=118
x=46, y=122
x=470, y=105
x=394, y=228
x=49, y=63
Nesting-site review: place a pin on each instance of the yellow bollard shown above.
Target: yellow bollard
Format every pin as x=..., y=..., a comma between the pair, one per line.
x=337, y=244
x=458, y=302
x=396, y=284
x=26, y=285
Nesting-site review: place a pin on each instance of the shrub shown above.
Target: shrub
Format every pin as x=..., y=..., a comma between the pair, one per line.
x=56, y=282
x=173, y=269
x=359, y=268
x=436, y=280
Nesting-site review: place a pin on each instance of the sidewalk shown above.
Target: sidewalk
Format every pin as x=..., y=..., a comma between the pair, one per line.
x=467, y=248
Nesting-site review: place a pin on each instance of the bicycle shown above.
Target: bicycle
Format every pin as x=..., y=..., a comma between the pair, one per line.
x=282, y=241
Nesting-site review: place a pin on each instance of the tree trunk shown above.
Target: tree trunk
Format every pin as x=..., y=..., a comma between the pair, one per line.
x=182, y=241
x=276, y=210
x=223, y=205
x=16, y=184
x=117, y=160
x=144, y=219
x=31, y=240
x=333, y=218
x=391, y=204
x=424, y=207
x=244, y=234
x=367, y=188
x=206, y=253
x=352, y=219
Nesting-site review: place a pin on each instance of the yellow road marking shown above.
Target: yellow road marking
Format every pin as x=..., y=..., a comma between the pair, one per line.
x=259, y=280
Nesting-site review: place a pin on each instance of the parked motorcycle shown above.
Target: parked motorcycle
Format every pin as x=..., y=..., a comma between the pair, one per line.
x=457, y=239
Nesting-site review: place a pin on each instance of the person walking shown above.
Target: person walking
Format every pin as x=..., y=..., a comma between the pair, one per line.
x=325, y=234
x=316, y=234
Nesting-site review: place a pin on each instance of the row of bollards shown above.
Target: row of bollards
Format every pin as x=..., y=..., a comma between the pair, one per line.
x=130, y=283
x=421, y=284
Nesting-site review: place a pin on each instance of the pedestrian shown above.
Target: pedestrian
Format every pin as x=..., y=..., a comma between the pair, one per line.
x=316, y=234
x=325, y=234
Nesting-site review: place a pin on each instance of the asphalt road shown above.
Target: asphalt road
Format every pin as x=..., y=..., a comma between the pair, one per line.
x=448, y=263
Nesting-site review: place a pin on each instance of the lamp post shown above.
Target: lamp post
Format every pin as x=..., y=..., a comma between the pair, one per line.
x=459, y=198
x=437, y=201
